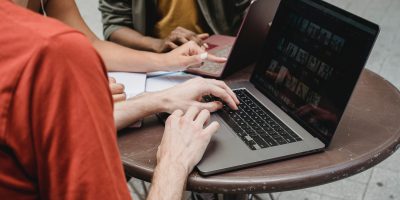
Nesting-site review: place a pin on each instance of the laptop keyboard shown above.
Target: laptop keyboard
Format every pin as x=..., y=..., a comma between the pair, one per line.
x=216, y=68
x=255, y=124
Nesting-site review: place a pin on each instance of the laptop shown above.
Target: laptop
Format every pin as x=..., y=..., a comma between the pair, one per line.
x=243, y=50
x=311, y=61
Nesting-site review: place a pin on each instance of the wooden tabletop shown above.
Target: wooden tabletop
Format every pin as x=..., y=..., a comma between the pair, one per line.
x=368, y=133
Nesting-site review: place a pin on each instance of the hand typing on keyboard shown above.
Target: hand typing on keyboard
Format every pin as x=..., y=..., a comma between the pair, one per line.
x=254, y=123
x=191, y=92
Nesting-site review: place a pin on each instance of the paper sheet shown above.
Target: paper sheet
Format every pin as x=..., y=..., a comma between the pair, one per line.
x=158, y=73
x=135, y=83
x=167, y=80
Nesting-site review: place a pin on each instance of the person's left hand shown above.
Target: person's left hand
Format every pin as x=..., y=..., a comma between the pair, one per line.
x=188, y=55
x=117, y=90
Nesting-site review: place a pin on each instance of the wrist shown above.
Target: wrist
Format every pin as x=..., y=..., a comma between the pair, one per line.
x=147, y=102
x=169, y=181
x=155, y=102
x=160, y=61
x=134, y=109
x=173, y=166
x=156, y=45
x=162, y=103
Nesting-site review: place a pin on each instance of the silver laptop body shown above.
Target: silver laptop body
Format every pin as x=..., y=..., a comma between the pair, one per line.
x=325, y=63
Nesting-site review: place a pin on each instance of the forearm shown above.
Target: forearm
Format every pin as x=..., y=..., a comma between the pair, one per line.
x=169, y=181
x=133, y=39
x=137, y=108
x=119, y=58
x=115, y=57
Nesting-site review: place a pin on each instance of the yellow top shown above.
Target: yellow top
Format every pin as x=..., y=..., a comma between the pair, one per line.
x=176, y=13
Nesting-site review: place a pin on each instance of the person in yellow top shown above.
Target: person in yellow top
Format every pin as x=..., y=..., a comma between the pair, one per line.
x=163, y=25
x=177, y=13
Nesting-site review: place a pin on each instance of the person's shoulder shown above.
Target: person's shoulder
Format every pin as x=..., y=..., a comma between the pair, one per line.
x=29, y=24
x=31, y=42
x=26, y=35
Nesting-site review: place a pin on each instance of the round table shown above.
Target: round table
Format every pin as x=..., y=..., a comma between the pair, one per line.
x=368, y=133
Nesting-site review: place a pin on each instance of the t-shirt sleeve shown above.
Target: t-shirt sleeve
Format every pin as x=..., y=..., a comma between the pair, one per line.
x=115, y=15
x=72, y=124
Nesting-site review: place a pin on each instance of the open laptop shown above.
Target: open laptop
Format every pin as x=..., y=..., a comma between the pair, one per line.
x=312, y=58
x=243, y=50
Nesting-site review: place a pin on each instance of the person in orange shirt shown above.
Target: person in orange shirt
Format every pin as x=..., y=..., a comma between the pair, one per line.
x=57, y=132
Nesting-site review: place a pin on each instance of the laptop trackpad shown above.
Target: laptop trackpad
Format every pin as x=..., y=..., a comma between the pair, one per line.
x=225, y=150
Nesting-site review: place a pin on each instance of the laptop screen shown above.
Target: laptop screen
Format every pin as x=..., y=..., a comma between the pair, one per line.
x=313, y=57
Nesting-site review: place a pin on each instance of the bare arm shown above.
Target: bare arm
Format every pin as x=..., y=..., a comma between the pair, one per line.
x=116, y=58
x=133, y=39
x=180, y=97
x=135, y=109
x=168, y=182
x=130, y=38
x=185, y=137
x=119, y=27
x=183, y=144
x=119, y=58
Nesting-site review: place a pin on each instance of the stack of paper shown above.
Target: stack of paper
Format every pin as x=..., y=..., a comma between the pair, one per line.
x=167, y=80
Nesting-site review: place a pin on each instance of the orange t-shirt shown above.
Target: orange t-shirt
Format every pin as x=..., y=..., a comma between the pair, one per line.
x=57, y=134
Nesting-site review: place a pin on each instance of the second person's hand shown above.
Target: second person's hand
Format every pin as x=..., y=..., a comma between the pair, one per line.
x=178, y=37
x=188, y=55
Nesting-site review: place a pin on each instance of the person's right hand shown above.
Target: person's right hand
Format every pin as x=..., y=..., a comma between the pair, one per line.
x=178, y=37
x=185, y=138
x=188, y=55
